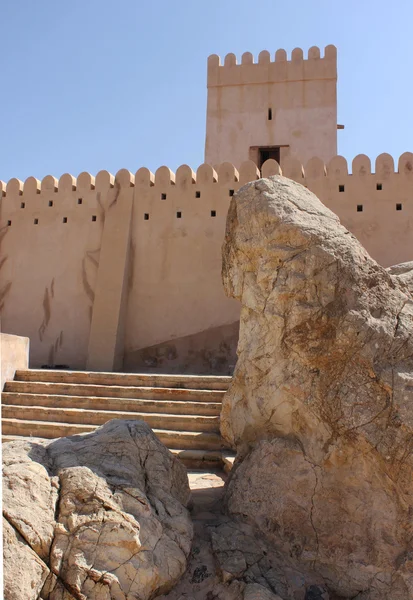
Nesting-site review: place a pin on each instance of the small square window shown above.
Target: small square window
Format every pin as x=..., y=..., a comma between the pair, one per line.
x=8, y=223
x=146, y=216
x=399, y=206
x=179, y=215
x=231, y=192
x=22, y=205
x=50, y=202
x=80, y=200
x=341, y=188
x=213, y=213
x=93, y=217
x=197, y=194
x=379, y=186
x=64, y=219
x=36, y=221
x=359, y=208
x=163, y=196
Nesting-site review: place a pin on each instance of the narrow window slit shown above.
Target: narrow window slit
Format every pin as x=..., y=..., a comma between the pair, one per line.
x=22, y=205
x=179, y=215
x=270, y=114
x=197, y=194
x=146, y=216
x=213, y=213
x=399, y=206
x=50, y=202
x=93, y=217
x=379, y=186
x=359, y=208
x=163, y=196
x=64, y=219
x=36, y=221
x=80, y=200
x=8, y=223
x=341, y=188
x=231, y=192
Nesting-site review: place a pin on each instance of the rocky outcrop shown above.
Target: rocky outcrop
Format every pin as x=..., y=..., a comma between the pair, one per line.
x=320, y=407
x=99, y=516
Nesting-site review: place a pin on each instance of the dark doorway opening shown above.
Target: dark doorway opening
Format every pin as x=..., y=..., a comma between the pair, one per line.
x=267, y=153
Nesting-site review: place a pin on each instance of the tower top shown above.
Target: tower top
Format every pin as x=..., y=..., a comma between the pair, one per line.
x=273, y=69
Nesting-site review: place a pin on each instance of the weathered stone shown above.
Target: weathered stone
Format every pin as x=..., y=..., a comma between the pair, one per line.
x=245, y=554
x=121, y=529
x=254, y=591
x=203, y=580
x=317, y=592
x=24, y=573
x=30, y=494
x=320, y=404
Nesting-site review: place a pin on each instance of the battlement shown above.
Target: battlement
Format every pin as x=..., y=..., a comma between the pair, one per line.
x=162, y=178
x=268, y=69
x=226, y=173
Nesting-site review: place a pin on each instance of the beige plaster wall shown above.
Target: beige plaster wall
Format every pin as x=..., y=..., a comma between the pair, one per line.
x=14, y=354
x=175, y=274
x=386, y=233
x=125, y=291
x=300, y=92
x=50, y=235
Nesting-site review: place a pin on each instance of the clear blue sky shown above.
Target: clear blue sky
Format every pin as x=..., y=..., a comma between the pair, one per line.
x=105, y=84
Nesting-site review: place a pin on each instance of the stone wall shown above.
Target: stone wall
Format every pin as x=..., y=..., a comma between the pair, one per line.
x=120, y=272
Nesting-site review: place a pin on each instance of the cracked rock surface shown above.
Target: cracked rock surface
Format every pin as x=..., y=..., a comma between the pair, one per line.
x=100, y=516
x=320, y=408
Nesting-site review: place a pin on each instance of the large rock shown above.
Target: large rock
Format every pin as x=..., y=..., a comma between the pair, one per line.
x=320, y=406
x=103, y=514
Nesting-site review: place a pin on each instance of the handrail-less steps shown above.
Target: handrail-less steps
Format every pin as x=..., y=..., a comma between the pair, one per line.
x=182, y=410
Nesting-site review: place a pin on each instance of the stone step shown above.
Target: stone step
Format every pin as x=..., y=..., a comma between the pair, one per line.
x=200, y=459
x=176, y=407
x=150, y=393
x=100, y=417
x=185, y=440
x=193, y=382
x=192, y=459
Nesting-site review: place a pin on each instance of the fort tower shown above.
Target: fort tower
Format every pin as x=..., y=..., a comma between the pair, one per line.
x=272, y=108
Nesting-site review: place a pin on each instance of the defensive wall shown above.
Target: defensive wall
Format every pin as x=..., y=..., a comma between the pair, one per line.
x=112, y=273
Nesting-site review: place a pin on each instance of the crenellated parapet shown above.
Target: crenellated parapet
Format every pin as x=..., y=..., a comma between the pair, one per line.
x=273, y=68
x=50, y=184
x=162, y=178
x=337, y=169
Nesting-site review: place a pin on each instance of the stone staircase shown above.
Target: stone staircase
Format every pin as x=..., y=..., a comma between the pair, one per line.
x=182, y=410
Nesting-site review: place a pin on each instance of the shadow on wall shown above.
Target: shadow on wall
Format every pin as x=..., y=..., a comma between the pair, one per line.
x=210, y=352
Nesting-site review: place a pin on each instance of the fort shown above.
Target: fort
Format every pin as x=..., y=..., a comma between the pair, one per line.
x=214, y=320
x=123, y=273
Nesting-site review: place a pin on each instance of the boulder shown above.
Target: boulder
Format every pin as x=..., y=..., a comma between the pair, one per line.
x=102, y=514
x=320, y=405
